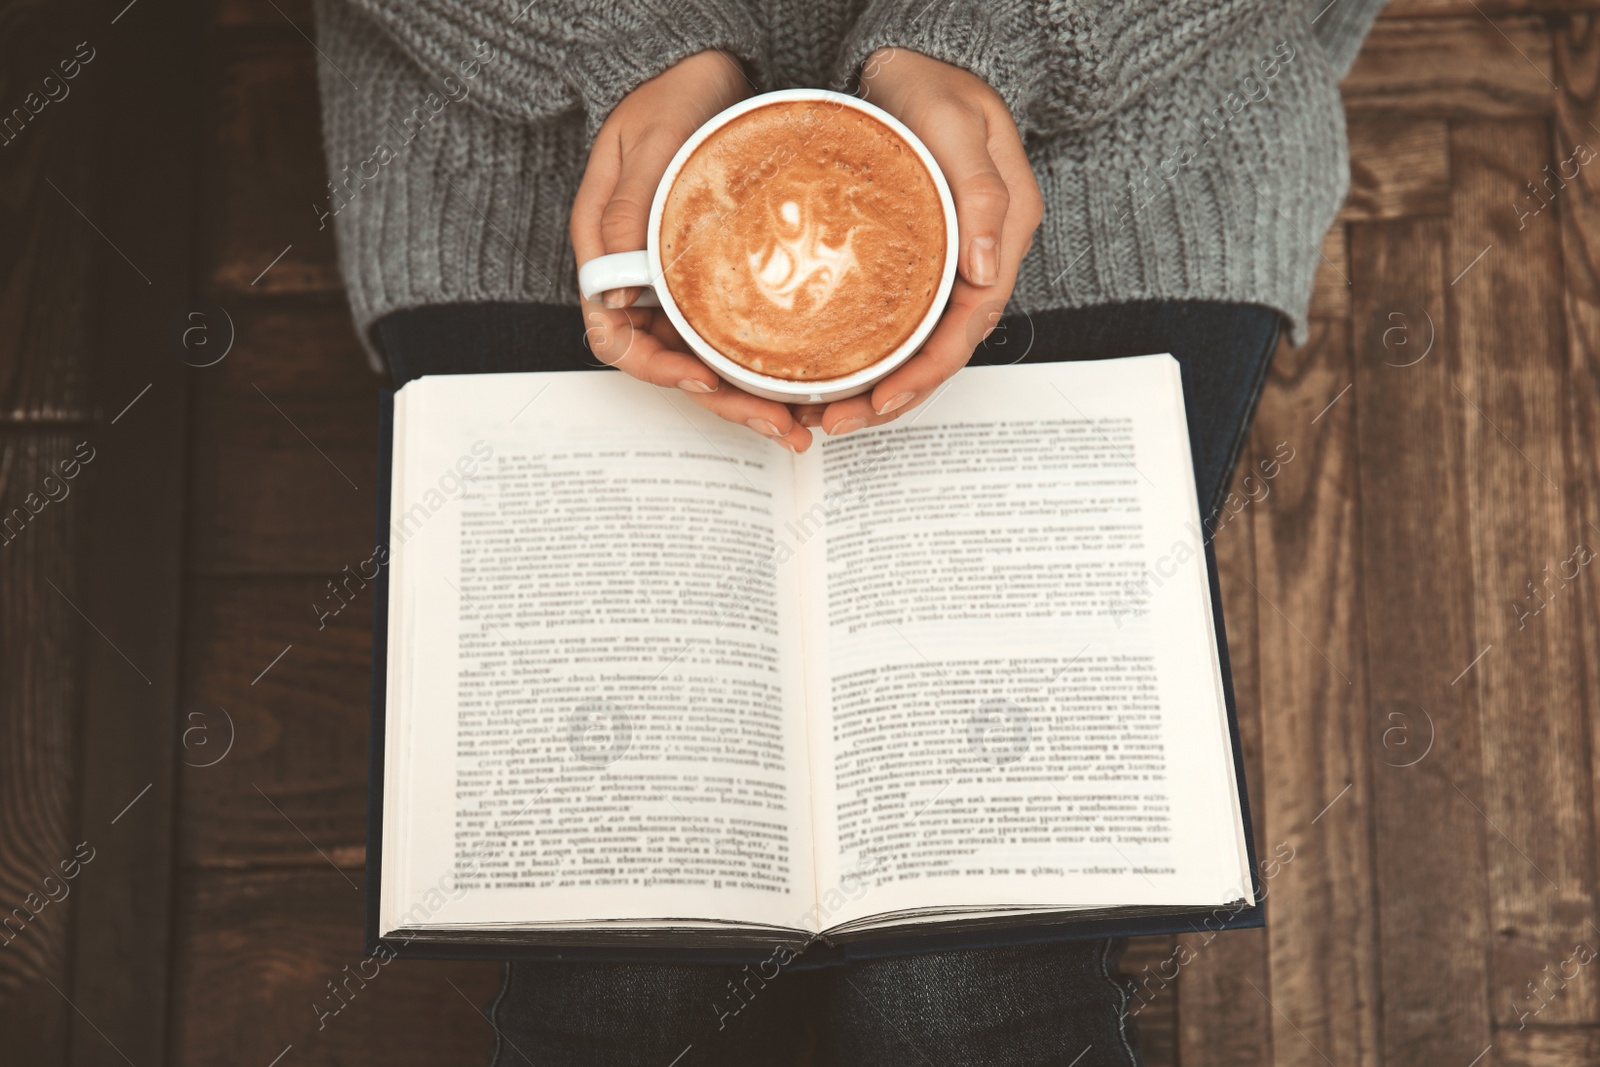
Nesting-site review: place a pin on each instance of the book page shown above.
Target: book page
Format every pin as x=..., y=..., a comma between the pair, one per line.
x=594, y=699
x=1014, y=690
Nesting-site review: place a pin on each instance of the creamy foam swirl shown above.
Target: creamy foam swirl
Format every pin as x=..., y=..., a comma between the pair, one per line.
x=796, y=258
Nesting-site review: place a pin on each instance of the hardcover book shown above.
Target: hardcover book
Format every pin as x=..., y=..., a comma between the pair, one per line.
x=648, y=686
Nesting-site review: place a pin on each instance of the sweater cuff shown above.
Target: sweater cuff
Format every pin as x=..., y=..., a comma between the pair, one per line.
x=649, y=39
x=995, y=42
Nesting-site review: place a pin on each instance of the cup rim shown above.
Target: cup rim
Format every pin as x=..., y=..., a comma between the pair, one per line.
x=801, y=388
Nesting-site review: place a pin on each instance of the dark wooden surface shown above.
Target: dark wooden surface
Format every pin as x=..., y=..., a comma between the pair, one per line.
x=131, y=577
x=44, y=405
x=1424, y=748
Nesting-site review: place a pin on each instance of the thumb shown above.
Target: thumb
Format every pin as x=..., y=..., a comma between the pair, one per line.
x=626, y=217
x=961, y=149
x=625, y=220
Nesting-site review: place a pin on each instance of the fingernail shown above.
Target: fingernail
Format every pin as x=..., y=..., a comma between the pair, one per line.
x=810, y=419
x=762, y=426
x=786, y=443
x=695, y=385
x=616, y=298
x=846, y=426
x=985, y=261
x=895, y=403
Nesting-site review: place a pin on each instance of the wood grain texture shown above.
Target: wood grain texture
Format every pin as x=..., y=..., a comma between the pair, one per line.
x=1536, y=791
x=283, y=475
x=1154, y=1010
x=132, y=563
x=1425, y=8
x=263, y=172
x=1577, y=45
x=1548, y=1047
x=257, y=15
x=299, y=734
x=1466, y=66
x=45, y=245
x=257, y=952
x=1330, y=289
x=1432, y=883
x=1221, y=1020
x=41, y=660
x=1399, y=167
x=1316, y=754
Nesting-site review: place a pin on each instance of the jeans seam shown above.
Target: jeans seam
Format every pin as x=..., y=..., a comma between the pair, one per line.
x=1122, y=1007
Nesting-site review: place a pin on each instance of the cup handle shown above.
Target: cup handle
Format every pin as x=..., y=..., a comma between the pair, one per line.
x=618, y=270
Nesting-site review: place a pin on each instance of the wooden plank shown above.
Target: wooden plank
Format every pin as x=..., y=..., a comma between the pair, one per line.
x=41, y=659
x=263, y=172
x=298, y=732
x=1462, y=67
x=284, y=474
x=1221, y=1020
x=260, y=14
x=1154, y=1009
x=1330, y=289
x=1508, y=313
x=257, y=951
x=1399, y=167
x=1316, y=756
x=1432, y=881
x=132, y=573
x=1548, y=1047
x=45, y=247
x=45, y=255
x=1577, y=45
x=1475, y=8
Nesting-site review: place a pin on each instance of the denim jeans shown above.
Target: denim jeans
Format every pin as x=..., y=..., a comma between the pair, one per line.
x=1040, y=1004
x=1060, y=1004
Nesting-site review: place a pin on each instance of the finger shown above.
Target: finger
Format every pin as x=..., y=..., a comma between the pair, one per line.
x=621, y=339
x=957, y=135
x=808, y=414
x=965, y=322
x=848, y=416
x=611, y=210
x=967, y=319
x=1026, y=208
x=768, y=418
x=663, y=330
x=625, y=220
x=594, y=191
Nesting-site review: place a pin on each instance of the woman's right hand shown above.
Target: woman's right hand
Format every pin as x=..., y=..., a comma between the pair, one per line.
x=611, y=213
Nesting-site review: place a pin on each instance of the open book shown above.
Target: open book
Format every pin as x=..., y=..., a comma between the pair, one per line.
x=649, y=680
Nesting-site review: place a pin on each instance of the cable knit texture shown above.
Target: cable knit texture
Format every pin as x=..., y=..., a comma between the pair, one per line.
x=1186, y=150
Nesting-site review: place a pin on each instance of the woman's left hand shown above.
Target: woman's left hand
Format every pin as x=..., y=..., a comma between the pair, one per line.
x=970, y=132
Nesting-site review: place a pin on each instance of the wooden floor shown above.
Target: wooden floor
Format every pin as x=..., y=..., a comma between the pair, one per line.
x=1412, y=618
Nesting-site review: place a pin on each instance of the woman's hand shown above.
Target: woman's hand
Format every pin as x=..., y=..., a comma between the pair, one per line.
x=968, y=129
x=611, y=213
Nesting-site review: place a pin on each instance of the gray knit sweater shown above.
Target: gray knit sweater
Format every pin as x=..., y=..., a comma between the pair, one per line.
x=1185, y=149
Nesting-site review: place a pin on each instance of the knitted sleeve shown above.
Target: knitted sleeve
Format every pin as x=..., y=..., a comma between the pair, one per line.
x=1072, y=65
x=525, y=60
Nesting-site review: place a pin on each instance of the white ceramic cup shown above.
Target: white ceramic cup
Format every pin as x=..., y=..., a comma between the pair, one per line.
x=643, y=269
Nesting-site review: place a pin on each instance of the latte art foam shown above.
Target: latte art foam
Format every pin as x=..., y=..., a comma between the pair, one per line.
x=804, y=240
x=796, y=259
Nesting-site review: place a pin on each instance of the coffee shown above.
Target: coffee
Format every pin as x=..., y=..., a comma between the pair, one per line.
x=804, y=240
